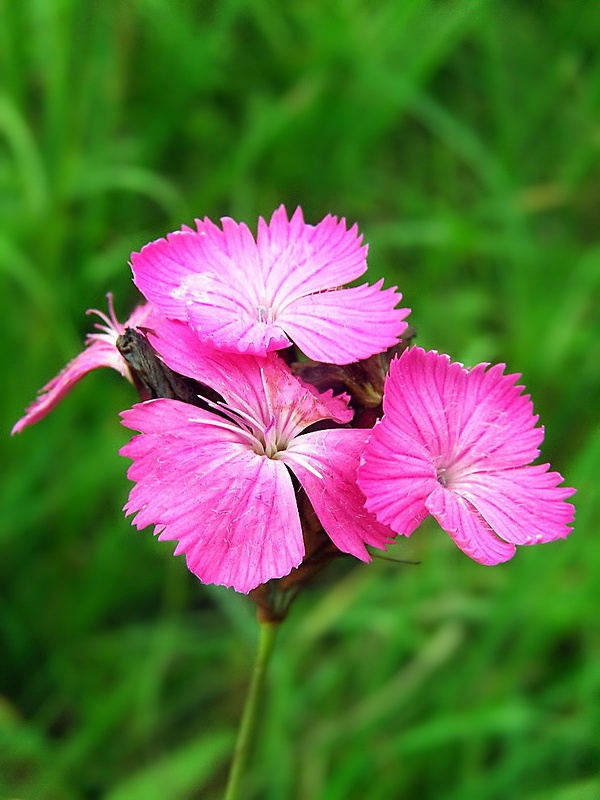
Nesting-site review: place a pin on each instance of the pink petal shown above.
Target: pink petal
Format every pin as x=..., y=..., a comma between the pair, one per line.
x=189, y=268
x=499, y=421
x=343, y=326
x=265, y=387
x=396, y=475
x=239, y=308
x=182, y=351
x=249, y=296
x=461, y=416
x=142, y=316
x=524, y=505
x=467, y=528
x=162, y=269
x=100, y=351
x=97, y=354
x=232, y=511
x=223, y=316
x=333, y=492
x=298, y=259
x=474, y=430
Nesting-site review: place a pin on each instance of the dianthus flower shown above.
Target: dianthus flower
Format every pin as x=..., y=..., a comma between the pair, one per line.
x=456, y=444
x=219, y=479
x=255, y=296
x=100, y=351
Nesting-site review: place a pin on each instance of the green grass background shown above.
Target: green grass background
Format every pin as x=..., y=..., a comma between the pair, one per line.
x=464, y=138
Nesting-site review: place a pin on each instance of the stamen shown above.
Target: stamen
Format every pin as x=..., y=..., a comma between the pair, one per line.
x=111, y=323
x=288, y=423
x=235, y=414
x=269, y=414
x=107, y=327
x=300, y=459
x=252, y=440
x=111, y=310
x=264, y=314
x=270, y=438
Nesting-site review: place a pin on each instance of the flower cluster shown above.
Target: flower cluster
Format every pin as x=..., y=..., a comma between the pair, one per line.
x=285, y=420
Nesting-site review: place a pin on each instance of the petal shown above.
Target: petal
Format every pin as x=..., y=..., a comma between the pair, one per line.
x=232, y=511
x=422, y=399
x=396, y=475
x=263, y=387
x=182, y=351
x=325, y=463
x=98, y=353
x=461, y=417
x=224, y=317
x=250, y=296
x=190, y=267
x=343, y=326
x=298, y=259
x=499, y=422
x=161, y=267
x=524, y=505
x=467, y=528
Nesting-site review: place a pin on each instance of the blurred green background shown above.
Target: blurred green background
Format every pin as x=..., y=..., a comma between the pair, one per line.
x=464, y=138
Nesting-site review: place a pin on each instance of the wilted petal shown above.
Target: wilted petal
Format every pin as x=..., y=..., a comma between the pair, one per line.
x=100, y=351
x=97, y=354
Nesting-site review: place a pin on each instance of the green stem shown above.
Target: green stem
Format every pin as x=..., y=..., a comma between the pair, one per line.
x=268, y=632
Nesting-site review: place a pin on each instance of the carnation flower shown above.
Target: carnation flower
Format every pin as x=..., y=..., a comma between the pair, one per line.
x=220, y=481
x=456, y=444
x=254, y=296
x=100, y=351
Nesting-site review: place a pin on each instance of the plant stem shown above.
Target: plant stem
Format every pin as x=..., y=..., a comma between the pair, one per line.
x=268, y=632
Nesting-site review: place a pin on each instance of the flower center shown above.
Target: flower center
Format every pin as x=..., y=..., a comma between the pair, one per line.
x=453, y=472
x=447, y=473
x=442, y=478
x=265, y=314
x=265, y=439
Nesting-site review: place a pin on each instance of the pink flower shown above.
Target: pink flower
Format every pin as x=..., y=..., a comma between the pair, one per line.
x=249, y=296
x=100, y=351
x=219, y=481
x=456, y=444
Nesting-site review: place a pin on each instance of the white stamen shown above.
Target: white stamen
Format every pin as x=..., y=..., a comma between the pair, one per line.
x=229, y=426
